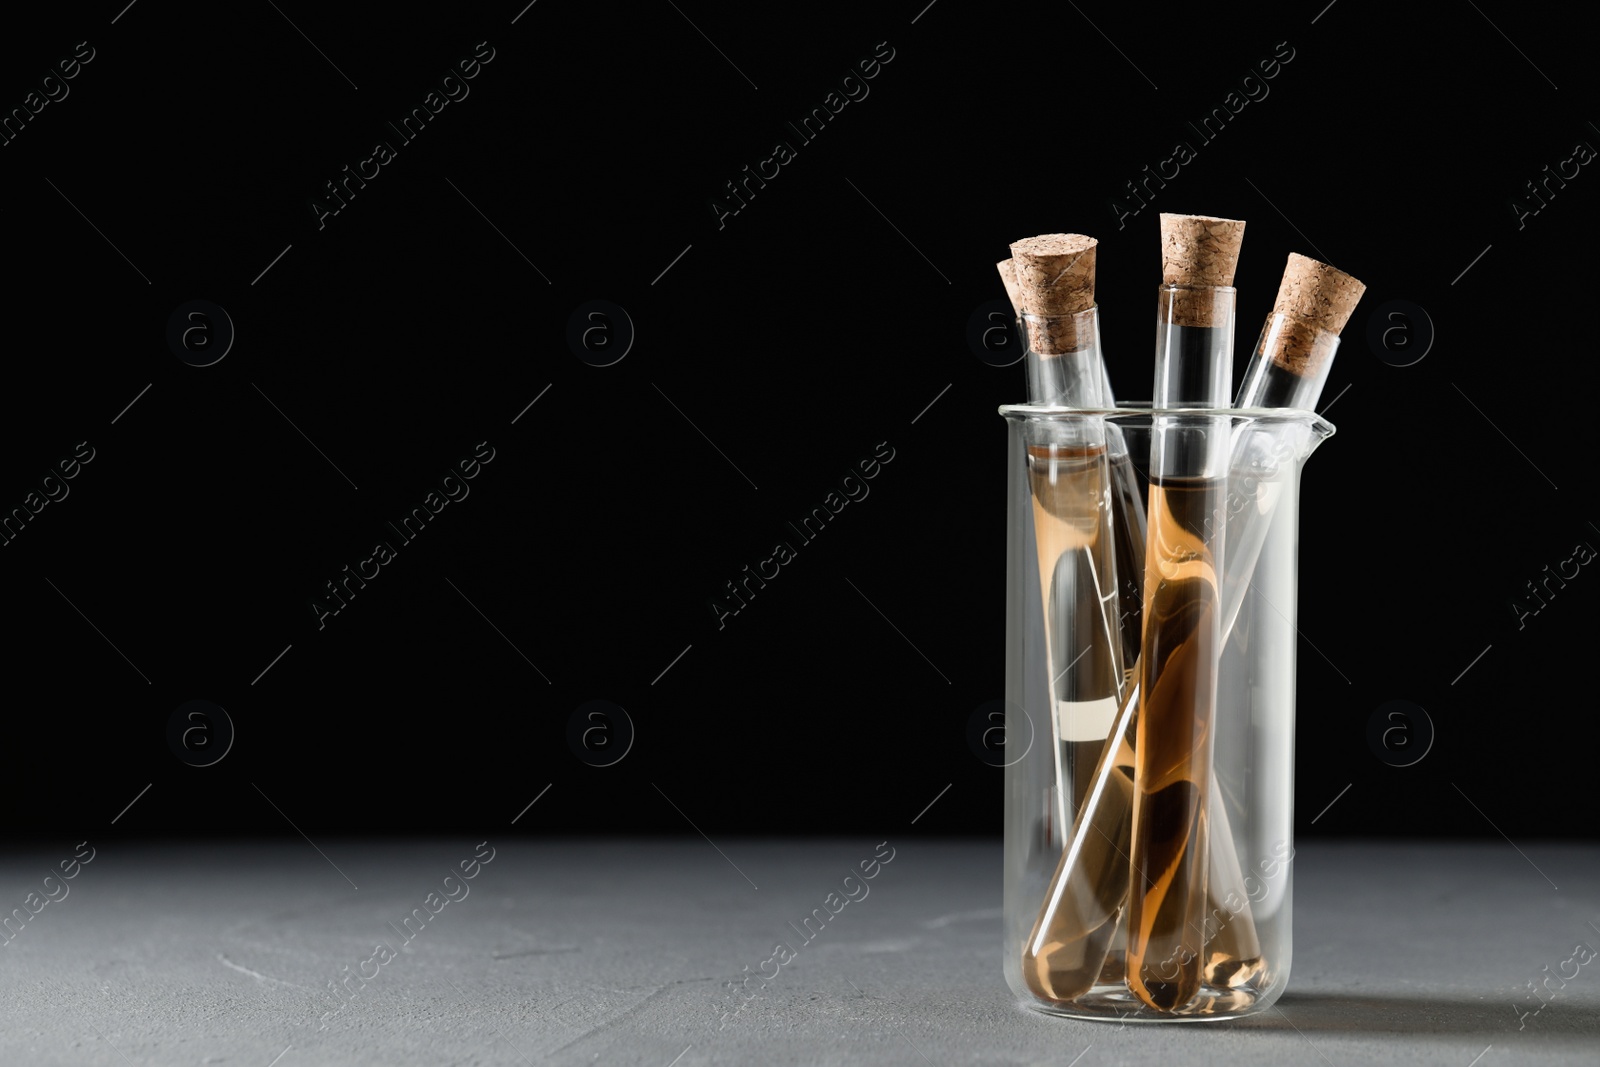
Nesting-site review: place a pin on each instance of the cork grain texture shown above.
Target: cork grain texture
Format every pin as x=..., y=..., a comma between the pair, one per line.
x=1199, y=253
x=1316, y=298
x=1055, y=281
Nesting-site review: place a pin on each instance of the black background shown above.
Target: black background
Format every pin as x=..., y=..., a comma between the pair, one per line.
x=816, y=323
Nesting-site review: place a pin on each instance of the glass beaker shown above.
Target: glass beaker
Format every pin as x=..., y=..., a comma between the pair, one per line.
x=1074, y=783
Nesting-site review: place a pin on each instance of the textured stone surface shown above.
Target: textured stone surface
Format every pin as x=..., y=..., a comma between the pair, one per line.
x=615, y=952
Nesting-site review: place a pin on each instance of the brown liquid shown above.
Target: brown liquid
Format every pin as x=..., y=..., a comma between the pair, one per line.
x=1167, y=907
x=1233, y=951
x=1078, y=572
x=1073, y=945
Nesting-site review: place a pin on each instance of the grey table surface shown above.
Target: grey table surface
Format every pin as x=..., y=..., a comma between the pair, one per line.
x=618, y=952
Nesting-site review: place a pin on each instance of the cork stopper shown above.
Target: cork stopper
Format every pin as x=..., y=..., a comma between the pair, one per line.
x=1318, y=293
x=1315, y=299
x=1199, y=249
x=1055, y=283
x=1008, y=278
